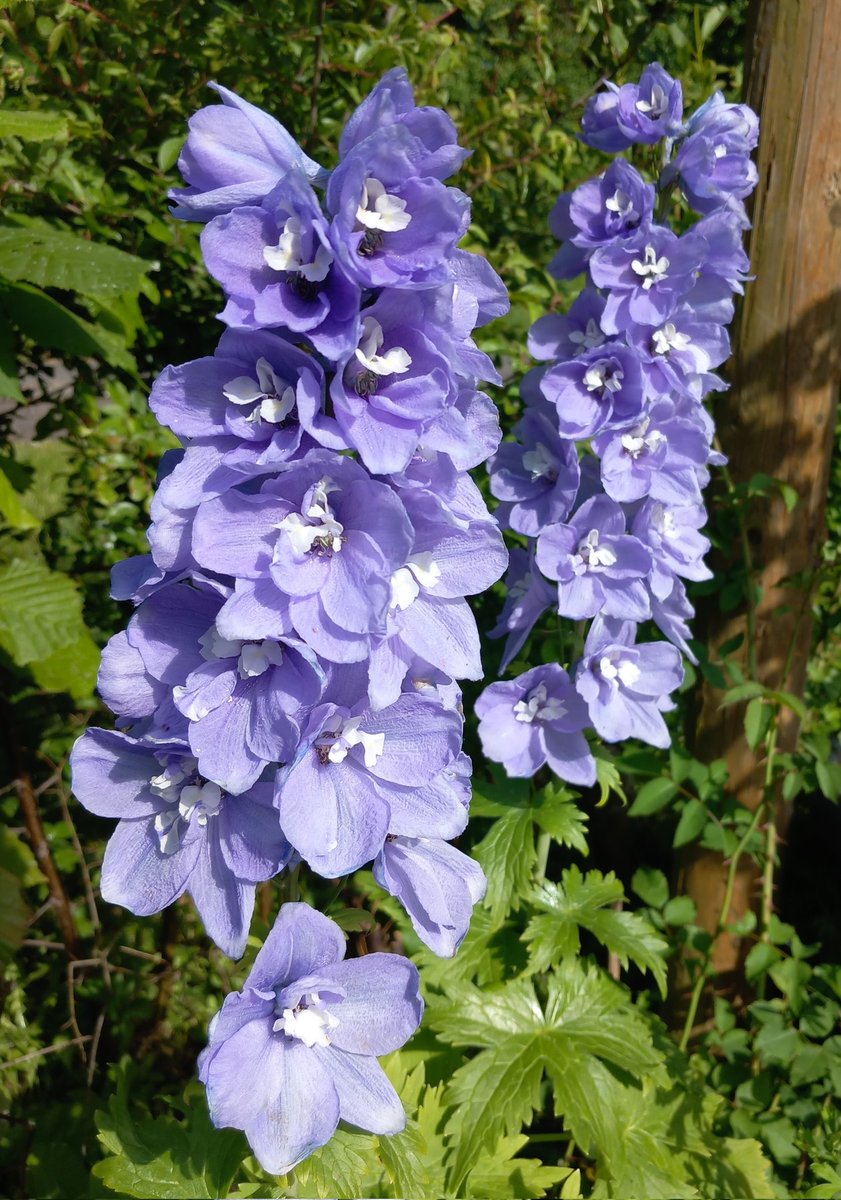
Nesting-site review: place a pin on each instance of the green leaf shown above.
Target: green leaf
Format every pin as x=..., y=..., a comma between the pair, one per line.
x=680, y=910
x=40, y=611
x=342, y=1168
x=162, y=1157
x=609, y=780
x=55, y=327
x=14, y=915
x=70, y=669
x=168, y=152
x=758, y=718
x=9, y=383
x=12, y=509
x=651, y=886
x=50, y=258
x=692, y=821
x=652, y=796
x=33, y=126
x=760, y=959
x=585, y=901
x=562, y=819
x=507, y=855
x=742, y=692
x=500, y=1175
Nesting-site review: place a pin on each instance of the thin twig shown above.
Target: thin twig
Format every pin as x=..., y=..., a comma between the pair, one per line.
x=77, y=846
x=17, y=1062
x=41, y=849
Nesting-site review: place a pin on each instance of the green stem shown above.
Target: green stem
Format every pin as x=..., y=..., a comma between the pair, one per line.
x=544, y=841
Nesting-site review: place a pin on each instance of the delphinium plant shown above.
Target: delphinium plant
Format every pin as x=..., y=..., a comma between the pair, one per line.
x=605, y=477
x=286, y=691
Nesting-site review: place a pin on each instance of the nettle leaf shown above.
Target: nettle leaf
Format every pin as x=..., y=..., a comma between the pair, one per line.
x=52, y=258
x=585, y=901
x=500, y=1175
x=507, y=855
x=162, y=1157
x=40, y=611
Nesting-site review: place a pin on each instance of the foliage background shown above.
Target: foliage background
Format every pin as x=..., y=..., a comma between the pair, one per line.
x=542, y=1064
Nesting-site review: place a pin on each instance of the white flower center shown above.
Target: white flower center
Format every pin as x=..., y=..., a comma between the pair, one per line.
x=254, y=657
x=200, y=799
x=651, y=269
x=619, y=202
x=344, y=737
x=663, y=520
x=656, y=106
x=394, y=362
x=639, y=439
x=378, y=209
x=669, y=338
x=541, y=463
x=592, y=554
x=538, y=706
x=720, y=151
x=309, y=1021
x=603, y=377
x=273, y=400
x=317, y=528
x=421, y=571
x=588, y=338
x=288, y=254
x=624, y=670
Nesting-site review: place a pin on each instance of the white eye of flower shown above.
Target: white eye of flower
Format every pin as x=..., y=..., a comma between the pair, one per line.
x=309, y=1021
x=288, y=254
x=406, y=582
x=541, y=463
x=656, y=106
x=345, y=737
x=651, y=269
x=317, y=529
x=668, y=338
x=594, y=555
x=588, y=338
x=539, y=706
x=200, y=799
x=394, y=362
x=380, y=210
x=619, y=202
x=604, y=377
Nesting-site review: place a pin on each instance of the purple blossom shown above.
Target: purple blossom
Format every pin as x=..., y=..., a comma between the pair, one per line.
x=565, y=335
x=634, y=113
x=436, y=884
x=528, y=596
x=602, y=389
x=599, y=568
x=361, y=774
x=664, y=456
x=615, y=205
x=627, y=687
x=647, y=274
x=671, y=533
x=536, y=477
x=713, y=164
x=278, y=267
x=534, y=719
x=296, y=1050
x=234, y=155
x=177, y=832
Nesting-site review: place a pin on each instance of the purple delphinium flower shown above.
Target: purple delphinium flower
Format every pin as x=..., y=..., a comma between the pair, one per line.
x=534, y=719
x=296, y=1050
x=234, y=155
x=664, y=456
x=361, y=774
x=323, y=538
x=392, y=227
x=177, y=832
x=601, y=389
x=278, y=267
x=564, y=335
x=643, y=112
x=627, y=687
x=646, y=275
x=713, y=165
x=615, y=205
x=436, y=884
x=598, y=566
x=671, y=534
x=536, y=477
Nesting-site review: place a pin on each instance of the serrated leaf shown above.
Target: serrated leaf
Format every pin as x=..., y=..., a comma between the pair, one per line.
x=495, y=1093
x=507, y=856
x=47, y=257
x=609, y=781
x=562, y=819
x=500, y=1175
x=478, y=1017
x=346, y=1167
x=652, y=797
x=40, y=611
x=585, y=901
x=32, y=126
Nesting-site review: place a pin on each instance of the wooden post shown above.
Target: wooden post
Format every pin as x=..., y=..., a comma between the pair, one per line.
x=779, y=417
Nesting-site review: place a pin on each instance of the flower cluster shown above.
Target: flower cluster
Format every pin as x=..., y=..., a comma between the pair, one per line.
x=286, y=688
x=613, y=449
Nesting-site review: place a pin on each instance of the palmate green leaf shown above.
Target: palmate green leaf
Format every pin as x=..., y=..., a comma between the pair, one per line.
x=583, y=901
x=40, y=611
x=562, y=819
x=500, y=1175
x=33, y=126
x=52, y=258
x=507, y=855
x=480, y=1017
x=163, y=1157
